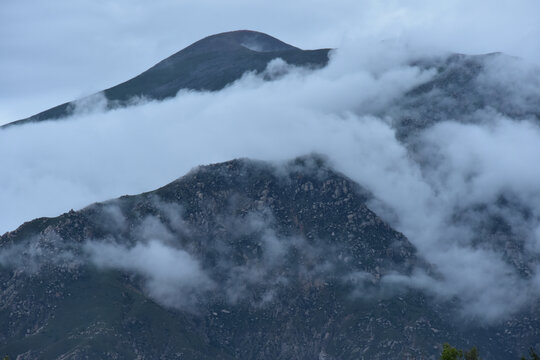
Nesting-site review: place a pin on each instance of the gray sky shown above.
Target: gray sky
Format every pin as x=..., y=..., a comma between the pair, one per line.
x=56, y=51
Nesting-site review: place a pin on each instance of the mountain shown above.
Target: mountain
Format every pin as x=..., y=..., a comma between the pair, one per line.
x=268, y=262
x=247, y=259
x=462, y=86
x=277, y=246
x=209, y=64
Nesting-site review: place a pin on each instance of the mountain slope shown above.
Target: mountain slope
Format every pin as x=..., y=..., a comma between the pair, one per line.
x=209, y=64
x=289, y=261
x=235, y=260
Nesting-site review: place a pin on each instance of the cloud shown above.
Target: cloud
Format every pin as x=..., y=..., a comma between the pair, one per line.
x=95, y=156
x=246, y=262
x=444, y=191
x=171, y=275
x=93, y=103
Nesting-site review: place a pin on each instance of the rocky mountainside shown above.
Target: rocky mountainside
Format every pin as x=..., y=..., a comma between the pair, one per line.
x=236, y=260
x=208, y=64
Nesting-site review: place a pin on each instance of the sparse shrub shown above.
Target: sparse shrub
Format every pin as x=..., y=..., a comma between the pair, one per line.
x=451, y=353
x=533, y=355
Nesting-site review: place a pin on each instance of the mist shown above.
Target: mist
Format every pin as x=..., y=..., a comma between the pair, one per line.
x=440, y=189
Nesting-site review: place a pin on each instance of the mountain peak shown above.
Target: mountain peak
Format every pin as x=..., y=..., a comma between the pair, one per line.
x=209, y=64
x=252, y=40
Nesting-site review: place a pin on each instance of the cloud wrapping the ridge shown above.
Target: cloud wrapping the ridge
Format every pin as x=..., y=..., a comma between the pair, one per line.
x=54, y=166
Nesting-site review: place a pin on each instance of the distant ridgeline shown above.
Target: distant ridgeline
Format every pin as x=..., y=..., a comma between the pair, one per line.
x=459, y=88
x=209, y=64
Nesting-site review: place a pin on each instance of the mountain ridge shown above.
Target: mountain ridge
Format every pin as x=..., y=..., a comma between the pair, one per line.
x=206, y=65
x=232, y=217
x=269, y=261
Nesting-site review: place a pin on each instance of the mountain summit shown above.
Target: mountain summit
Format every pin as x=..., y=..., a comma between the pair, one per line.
x=209, y=64
x=232, y=40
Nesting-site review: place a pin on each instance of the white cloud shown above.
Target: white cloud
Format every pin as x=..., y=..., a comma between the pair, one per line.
x=96, y=156
x=171, y=275
x=50, y=167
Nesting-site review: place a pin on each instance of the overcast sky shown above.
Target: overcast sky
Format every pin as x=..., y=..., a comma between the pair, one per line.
x=55, y=51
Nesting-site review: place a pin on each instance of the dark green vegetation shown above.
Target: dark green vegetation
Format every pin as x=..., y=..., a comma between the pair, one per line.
x=294, y=257
x=532, y=355
x=451, y=353
x=209, y=64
